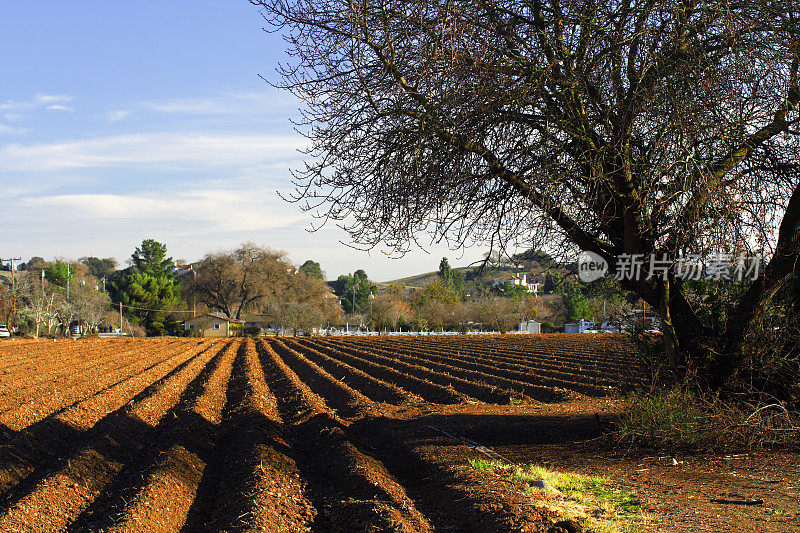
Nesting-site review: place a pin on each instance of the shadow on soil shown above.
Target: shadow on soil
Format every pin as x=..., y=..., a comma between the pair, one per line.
x=430, y=464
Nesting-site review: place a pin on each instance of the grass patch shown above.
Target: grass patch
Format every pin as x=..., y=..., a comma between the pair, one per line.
x=594, y=501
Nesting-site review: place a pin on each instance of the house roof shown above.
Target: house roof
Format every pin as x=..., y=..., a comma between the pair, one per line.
x=217, y=316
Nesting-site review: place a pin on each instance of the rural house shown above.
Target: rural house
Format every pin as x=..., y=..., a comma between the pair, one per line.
x=212, y=325
x=519, y=280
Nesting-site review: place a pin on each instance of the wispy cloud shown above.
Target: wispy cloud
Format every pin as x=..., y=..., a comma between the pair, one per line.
x=59, y=107
x=164, y=149
x=15, y=109
x=217, y=209
x=225, y=104
x=116, y=116
x=5, y=128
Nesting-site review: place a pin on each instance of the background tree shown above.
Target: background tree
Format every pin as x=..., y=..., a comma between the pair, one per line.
x=148, y=288
x=241, y=280
x=149, y=299
x=312, y=269
x=99, y=268
x=306, y=303
x=451, y=278
x=59, y=273
x=151, y=258
x=499, y=314
x=91, y=307
x=35, y=264
x=575, y=302
x=621, y=128
x=389, y=310
x=344, y=288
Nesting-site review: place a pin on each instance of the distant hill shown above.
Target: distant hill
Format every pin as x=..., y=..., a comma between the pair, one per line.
x=420, y=281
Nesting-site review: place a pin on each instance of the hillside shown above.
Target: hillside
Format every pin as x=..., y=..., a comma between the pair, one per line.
x=421, y=280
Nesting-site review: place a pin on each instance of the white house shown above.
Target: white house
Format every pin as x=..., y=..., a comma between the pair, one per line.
x=519, y=280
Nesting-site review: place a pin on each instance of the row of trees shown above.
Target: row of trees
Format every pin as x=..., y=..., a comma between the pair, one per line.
x=50, y=297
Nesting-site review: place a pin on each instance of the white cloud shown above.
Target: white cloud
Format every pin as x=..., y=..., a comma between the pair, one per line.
x=5, y=128
x=115, y=116
x=218, y=210
x=38, y=101
x=52, y=98
x=59, y=107
x=245, y=103
x=164, y=149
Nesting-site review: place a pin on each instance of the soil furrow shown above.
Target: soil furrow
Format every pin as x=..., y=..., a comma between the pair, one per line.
x=475, y=389
x=252, y=483
x=172, y=464
x=423, y=388
x=342, y=399
x=534, y=379
x=372, y=387
x=538, y=392
x=351, y=490
x=58, y=498
x=36, y=446
x=48, y=398
x=53, y=368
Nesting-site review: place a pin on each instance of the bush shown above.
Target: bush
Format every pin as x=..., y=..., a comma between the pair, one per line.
x=680, y=418
x=662, y=417
x=251, y=331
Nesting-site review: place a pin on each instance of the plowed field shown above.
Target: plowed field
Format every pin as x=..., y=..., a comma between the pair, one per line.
x=292, y=434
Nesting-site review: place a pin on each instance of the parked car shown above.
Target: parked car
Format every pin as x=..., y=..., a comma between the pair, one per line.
x=4, y=331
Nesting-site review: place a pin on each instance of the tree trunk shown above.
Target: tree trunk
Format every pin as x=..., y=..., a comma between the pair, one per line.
x=685, y=335
x=750, y=311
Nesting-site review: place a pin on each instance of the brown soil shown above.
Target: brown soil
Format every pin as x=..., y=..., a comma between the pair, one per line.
x=351, y=434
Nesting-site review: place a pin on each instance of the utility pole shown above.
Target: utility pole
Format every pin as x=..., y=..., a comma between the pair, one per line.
x=120, y=319
x=67, y=281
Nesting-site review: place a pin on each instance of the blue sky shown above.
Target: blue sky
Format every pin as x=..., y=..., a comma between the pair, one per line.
x=125, y=121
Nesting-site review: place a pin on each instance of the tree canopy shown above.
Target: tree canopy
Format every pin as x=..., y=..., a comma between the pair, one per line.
x=59, y=273
x=149, y=289
x=312, y=269
x=99, y=268
x=151, y=258
x=242, y=280
x=634, y=127
x=354, y=290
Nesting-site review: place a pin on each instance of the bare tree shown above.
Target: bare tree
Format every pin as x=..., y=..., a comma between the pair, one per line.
x=500, y=314
x=387, y=310
x=306, y=303
x=91, y=306
x=236, y=281
x=633, y=127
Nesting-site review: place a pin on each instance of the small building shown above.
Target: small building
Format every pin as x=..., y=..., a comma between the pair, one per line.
x=530, y=326
x=580, y=326
x=517, y=280
x=212, y=325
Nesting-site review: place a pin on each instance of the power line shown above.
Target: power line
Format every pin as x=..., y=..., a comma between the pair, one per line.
x=149, y=309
